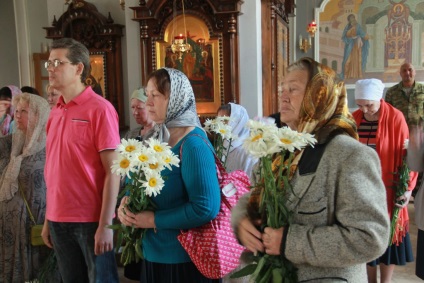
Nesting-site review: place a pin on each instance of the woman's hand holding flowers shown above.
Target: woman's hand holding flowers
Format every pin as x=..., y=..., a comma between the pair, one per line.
x=144, y=219
x=250, y=237
x=272, y=239
x=403, y=200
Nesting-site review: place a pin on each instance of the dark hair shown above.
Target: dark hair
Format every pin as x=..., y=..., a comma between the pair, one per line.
x=162, y=81
x=226, y=108
x=77, y=53
x=5, y=93
x=30, y=89
x=350, y=16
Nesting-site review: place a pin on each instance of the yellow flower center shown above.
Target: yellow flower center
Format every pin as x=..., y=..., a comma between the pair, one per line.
x=154, y=166
x=143, y=158
x=167, y=159
x=129, y=148
x=222, y=131
x=286, y=141
x=158, y=148
x=257, y=137
x=152, y=182
x=124, y=163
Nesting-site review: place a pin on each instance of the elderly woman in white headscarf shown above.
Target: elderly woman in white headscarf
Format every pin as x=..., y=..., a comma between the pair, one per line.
x=191, y=195
x=383, y=128
x=238, y=158
x=21, y=177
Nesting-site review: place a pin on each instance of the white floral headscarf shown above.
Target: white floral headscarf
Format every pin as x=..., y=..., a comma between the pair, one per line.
x=181, y=110
x=25, y=143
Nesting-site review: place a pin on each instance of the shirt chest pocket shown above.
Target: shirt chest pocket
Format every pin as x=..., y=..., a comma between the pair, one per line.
x=79, y=130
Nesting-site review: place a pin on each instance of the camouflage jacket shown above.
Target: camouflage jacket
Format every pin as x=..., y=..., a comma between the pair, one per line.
x=412, y=107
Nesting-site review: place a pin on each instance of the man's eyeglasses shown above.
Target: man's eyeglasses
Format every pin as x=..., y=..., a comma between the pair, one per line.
x=55, y=63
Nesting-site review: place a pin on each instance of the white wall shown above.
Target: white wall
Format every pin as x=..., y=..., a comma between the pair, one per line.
x=251, y=57
x=9, y=72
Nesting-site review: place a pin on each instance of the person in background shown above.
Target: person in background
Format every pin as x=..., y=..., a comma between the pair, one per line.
x=30, y=89
x=415, y=158
x=191, y=194
x=407, y=95
x=383, y=128
x=82, y=135
x=139, y=111
x=337, y=225
x=6, y=109
x=141, y=116
x=238, y=158
x=22, y=160
x=52, y=96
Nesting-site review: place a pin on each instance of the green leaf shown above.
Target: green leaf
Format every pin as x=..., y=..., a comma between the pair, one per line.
x=247, y=270
x=266, y=277
x=277, y=275
x=117, y=227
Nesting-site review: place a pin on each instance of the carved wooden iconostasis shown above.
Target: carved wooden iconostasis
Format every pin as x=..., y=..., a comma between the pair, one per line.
x=275, y=50
x=212, y=65
x=102, y=37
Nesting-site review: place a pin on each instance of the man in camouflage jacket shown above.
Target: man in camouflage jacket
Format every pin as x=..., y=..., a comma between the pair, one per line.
x=408, y=96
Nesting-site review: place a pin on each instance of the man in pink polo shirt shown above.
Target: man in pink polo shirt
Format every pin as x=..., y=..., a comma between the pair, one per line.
x=82, y=133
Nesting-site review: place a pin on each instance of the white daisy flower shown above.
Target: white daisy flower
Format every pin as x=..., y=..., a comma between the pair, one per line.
x=224, y=130
x=255, y=145
x=144, y=157
x=123, y=166
x=308, y=138
x=153, y=183
x=129, y=146
x=157, y=145
x=170, y=160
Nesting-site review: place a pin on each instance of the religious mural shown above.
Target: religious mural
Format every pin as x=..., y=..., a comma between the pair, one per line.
x=371, y=38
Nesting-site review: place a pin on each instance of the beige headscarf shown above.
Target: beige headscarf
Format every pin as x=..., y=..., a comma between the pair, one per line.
x=25, y=143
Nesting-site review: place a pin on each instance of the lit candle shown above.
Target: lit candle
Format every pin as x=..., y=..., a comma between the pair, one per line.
x=310, y=40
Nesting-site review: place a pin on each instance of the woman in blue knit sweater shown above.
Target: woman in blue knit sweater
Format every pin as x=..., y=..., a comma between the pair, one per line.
x=191, y=195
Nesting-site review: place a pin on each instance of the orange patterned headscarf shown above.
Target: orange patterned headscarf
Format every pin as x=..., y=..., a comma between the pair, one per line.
x=324, y=108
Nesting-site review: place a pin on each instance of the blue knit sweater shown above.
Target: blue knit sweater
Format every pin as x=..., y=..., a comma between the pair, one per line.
x=190, y=198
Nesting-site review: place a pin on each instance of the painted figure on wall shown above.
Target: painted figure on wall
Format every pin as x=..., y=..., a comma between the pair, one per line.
x=398, y=35
x=197, y=65
x=355, y=50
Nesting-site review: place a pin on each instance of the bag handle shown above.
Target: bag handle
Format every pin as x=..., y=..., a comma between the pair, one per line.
x=26, y=204
x=221, y=170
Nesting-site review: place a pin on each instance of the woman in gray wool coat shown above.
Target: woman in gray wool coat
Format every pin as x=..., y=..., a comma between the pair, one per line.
x=338, y=198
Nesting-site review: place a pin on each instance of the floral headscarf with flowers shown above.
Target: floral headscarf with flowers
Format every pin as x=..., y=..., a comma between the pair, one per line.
x=25, y=143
